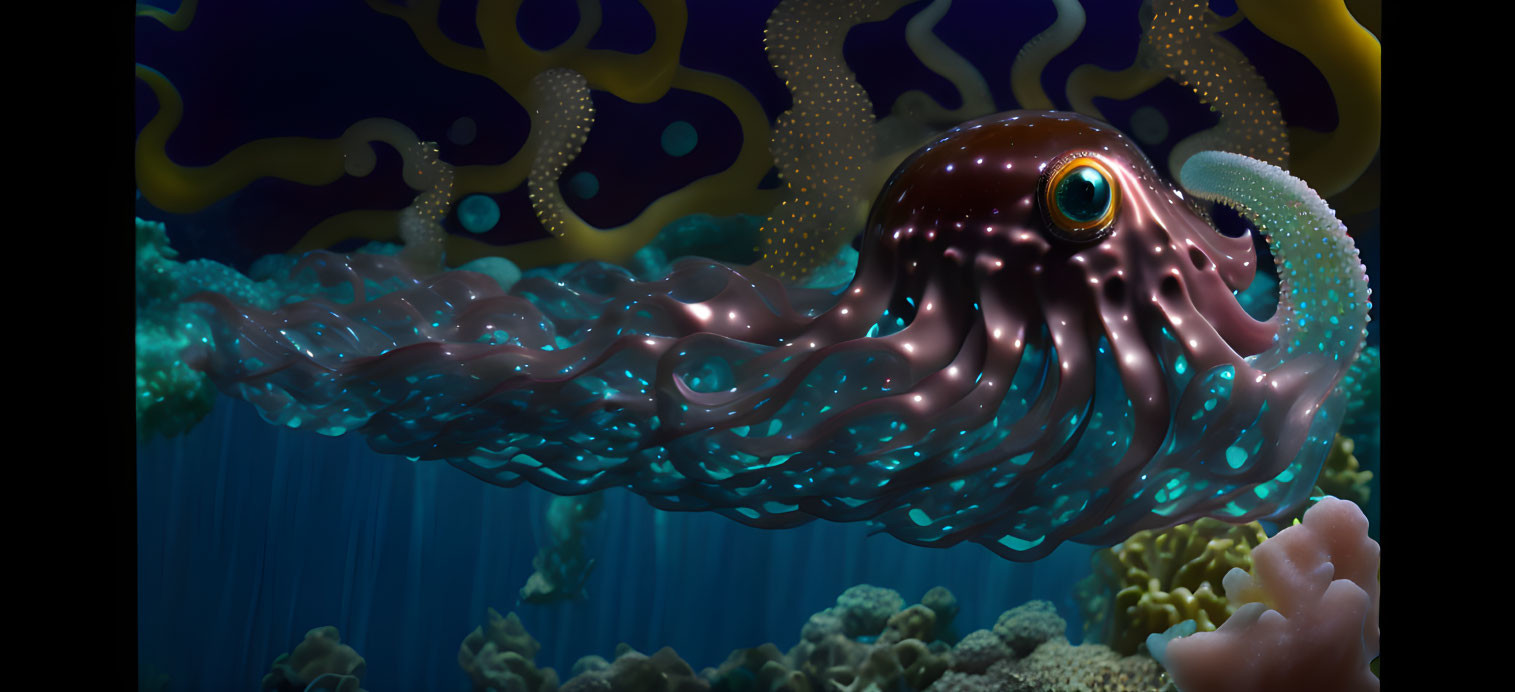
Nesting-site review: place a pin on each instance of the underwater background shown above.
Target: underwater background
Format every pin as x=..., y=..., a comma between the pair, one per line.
x=251, y=535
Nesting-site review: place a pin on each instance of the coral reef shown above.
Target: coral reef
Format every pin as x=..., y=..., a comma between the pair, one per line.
x=1058, y=665
x=633, y=671
x=171, y=397
x=501, y=657
x=563, y=563
x=1157, y=579
x=320, y=662
x=1306, y=615
x=1027, y=652
x=868, y=640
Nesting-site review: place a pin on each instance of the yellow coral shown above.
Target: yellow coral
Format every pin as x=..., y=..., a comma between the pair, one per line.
x=1154, y=580
x=1341, y=477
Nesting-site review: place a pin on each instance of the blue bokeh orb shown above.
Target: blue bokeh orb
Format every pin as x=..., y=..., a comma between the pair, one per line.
x=679, y=138
x=478, y=213
x=584, y=185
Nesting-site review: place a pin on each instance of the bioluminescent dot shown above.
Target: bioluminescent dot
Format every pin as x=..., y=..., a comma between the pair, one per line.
x=463, y=131
x=478, y=213
x=584, y=185
x=679, y=138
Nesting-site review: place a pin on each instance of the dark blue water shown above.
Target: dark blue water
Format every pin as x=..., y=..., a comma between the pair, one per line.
x=251, y=535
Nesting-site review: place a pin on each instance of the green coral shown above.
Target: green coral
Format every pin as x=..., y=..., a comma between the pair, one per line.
x=171, y=396
x=1341, y=475
x=1156, y=579
x=1361, y=384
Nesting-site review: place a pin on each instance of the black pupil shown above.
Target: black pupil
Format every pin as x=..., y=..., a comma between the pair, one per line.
x=1083, y=194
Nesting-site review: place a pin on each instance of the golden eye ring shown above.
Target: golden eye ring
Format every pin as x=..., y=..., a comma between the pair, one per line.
x=1080, y=197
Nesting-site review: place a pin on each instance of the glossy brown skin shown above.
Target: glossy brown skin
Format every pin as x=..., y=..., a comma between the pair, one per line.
x=822, y=411
x=962, y=222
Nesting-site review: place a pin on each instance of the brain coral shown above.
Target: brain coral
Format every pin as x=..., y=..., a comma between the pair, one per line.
x=979, y=650
x=865, y=609
x=1026, y=626
x=1154, y=580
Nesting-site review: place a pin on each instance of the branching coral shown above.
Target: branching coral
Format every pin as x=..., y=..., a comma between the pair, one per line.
x=1341, y=477
x=1156, y=579
x=1306, y=615
x=320, y=662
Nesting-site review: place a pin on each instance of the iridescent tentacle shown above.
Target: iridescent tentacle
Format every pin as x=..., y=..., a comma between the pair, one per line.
x=1323, y=294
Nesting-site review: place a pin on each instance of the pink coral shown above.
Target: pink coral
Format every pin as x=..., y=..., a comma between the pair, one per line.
x=1310, y=619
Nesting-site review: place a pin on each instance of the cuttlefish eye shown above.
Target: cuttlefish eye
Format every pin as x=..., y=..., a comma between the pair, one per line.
x=1080, y=197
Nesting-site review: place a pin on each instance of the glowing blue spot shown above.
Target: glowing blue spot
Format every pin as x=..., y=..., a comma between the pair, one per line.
x=478, y=213
x=1235, y=457
x=1014, y=543
x=679, y=138
x=584, y=185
